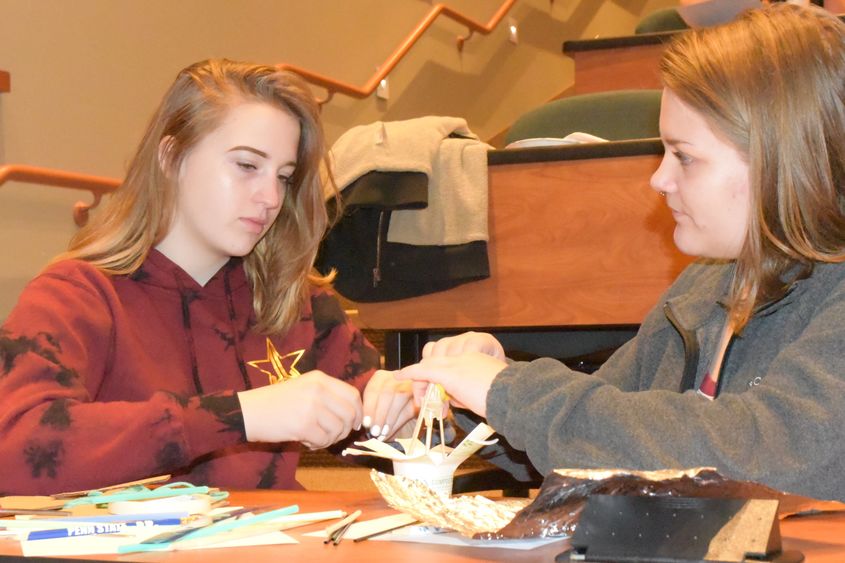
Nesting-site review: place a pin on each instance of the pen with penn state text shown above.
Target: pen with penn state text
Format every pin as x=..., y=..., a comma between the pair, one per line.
x=93, y=528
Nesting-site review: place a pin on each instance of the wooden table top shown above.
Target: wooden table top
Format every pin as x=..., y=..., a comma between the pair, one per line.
x=820, y=538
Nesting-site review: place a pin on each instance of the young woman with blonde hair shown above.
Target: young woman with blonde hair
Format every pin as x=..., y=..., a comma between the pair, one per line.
x=741, y=365
x=151, y=345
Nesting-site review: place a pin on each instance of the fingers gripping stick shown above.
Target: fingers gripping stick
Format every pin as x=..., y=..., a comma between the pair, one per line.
x=432, y=407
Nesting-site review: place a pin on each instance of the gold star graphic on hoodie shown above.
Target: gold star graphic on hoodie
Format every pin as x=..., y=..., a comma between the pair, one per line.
x=277, y=363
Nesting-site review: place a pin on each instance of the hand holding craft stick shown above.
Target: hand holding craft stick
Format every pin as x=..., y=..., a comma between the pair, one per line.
x=431, y=408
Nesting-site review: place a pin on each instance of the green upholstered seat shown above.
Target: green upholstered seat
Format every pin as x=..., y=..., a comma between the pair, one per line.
x=616, y=116
x=667, y=19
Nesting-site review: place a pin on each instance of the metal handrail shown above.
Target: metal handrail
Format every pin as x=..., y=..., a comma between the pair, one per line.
x=97, y=185
x=333, y=85
x=100, y=185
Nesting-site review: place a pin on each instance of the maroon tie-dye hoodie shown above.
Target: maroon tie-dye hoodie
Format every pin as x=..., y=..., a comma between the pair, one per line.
x=105, y=379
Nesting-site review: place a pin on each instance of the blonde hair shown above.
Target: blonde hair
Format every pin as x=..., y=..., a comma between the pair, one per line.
x=137, y=216
x=772, y=83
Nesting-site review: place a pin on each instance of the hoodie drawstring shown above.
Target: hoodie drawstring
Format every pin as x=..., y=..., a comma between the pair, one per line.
x=186, y=297
x=236, y=336
x=189, y=334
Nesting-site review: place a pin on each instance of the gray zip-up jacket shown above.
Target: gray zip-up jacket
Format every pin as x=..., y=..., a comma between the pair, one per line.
x=779, y=418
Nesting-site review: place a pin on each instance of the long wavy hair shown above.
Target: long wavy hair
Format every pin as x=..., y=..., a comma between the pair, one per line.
x=772, y=83
x=138, y=215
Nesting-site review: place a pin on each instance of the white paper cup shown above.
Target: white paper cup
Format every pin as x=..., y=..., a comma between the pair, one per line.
x=437, y=477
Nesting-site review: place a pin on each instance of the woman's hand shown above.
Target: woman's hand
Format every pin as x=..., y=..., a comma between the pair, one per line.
x=466, y=378
x=388, y=404
x=314, y=409
x=463, y=343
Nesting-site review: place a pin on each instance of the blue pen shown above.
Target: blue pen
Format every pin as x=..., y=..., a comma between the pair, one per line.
x=93, y=528
x=114, y=517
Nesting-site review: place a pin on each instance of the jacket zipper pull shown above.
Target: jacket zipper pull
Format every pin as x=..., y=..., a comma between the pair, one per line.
x=377, y=268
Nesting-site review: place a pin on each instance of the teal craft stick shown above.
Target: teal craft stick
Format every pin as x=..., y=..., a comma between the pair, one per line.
x=142, y=547
x=141, y=493
x=234, y=523
x=205, y=531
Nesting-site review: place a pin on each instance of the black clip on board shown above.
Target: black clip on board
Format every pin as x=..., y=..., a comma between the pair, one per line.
x=622, y=529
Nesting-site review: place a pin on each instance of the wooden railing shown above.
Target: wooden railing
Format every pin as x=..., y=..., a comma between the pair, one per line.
x=97, y=185
x=332, y=85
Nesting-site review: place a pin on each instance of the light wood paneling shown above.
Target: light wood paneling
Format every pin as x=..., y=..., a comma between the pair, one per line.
x=620, y=68
x=572, y=243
